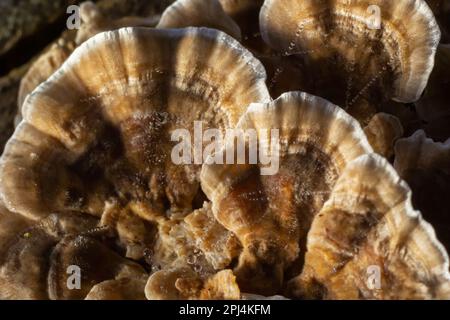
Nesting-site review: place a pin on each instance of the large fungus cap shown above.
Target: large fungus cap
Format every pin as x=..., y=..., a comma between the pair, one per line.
x=343, y=43
x=101, y=126
x=271, y=214
x=37, y=258
x=95, y=21
x=369, y=243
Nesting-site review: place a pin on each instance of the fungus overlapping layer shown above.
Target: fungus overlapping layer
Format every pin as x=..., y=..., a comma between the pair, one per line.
x=425, y=165
x=369, y=222
x=87, y=179
x=93, y=21
x=253, y=206
x=434, y=106
x=199, y=13
x=96, y=140
x=101, y=126
x=351, y=59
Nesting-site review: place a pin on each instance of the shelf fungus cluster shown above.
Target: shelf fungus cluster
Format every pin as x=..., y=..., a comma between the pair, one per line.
x=92, y=205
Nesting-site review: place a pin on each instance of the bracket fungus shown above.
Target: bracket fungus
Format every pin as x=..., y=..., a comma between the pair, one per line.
x=93, y=21
x=288, y=198
x=252, y=205
x=350, y=60
x=101, y=125
x=369, y=222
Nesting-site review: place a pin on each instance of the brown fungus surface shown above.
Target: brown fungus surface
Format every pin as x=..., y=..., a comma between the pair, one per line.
x=93, y=21
x=120, y=289
x=95, y=141
x=101, y=126
x=43, y=68
x=91, y=193
x=246, y=15
x=96, y=262
x=271, y=214
x=352, y=60
x=36, y=257
x=181, y=283
x=197, y=245
x=368, y=242
x=199, y=13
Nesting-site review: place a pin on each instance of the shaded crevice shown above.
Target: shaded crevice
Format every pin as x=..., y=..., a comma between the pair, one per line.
x=29, y=47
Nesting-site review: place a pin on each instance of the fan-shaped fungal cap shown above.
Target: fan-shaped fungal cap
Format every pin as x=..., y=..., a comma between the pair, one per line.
x=425, y=165
x=419, y=152
x=369, y=243
x=101, y=126
x=270, y=214
x=398, y=51
x=26, y=166
x=198, y=13
x=382, y=132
